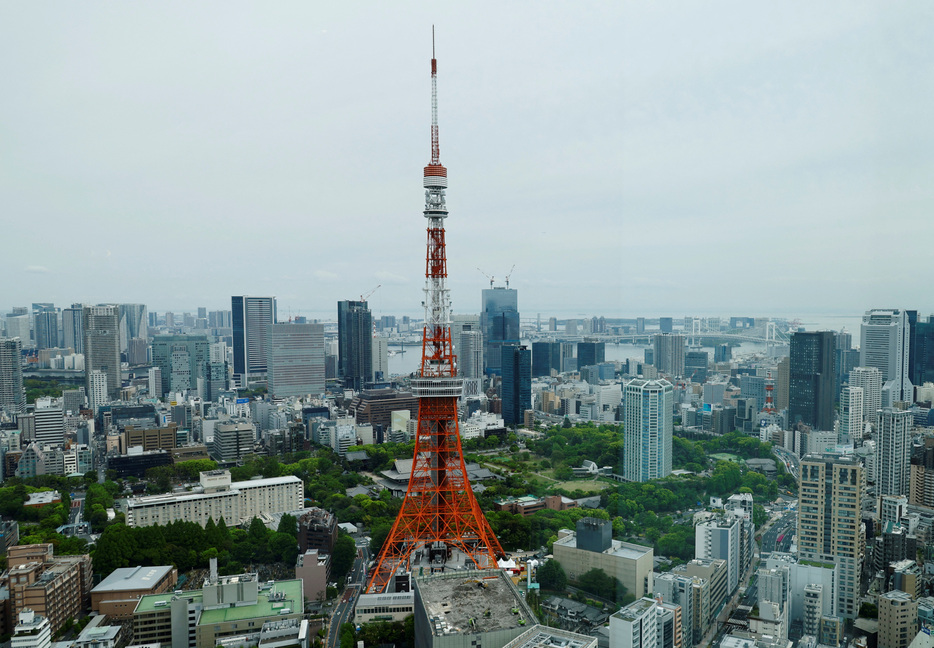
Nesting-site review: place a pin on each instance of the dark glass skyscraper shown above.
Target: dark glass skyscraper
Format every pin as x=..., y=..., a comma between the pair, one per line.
x=499, y=320
x=590, y=353
x=545, y=357
x=250, y=317
x=354, y=343
x=921, y=349
x=811, y=379
x=517, y=383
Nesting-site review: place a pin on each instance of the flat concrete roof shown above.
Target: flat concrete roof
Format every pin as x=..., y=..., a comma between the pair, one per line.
x=472, y=602
x=133, y=578
x=263, y=607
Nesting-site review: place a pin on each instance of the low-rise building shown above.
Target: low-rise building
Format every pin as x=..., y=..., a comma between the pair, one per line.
x=228, y=606
x=218, y=497
x=634, y=626
x=592, y=547
x=313, y=568
x=390, y=606
x=117, y=595
x=54, y=587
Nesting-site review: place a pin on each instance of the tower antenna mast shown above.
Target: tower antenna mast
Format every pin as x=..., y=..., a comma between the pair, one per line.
x=440, y=513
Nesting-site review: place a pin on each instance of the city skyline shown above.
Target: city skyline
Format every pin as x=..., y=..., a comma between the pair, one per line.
x=795, y=129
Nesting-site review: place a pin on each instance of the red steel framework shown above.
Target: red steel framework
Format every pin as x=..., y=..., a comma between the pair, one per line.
x=439, y=513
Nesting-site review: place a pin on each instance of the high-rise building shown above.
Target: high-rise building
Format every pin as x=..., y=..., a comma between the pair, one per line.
x=355, y=343
x=830, y=528
x=17, y=326
x=893, y=451
x=811, y=379
x=47, y=329
x=517, y=383
x=885, y=337
x=590, y=353
x=921, y=482
x=12, y=396
x=695, y=366
x=546, y=356
x=232, y=441
x=665, y=324
x=648, y=429
x=73, y=328
x=50, y=423
x=721, y=538
x=499, y=319
x=250, y=318
x=850, y=423
x=182, y=360
x=296, y=359
x=155, y=382
x=898, y=619
x=869, y=379
x=134, y=323
x=669, y=353
x=782, y=383
x=920, y=349
x=470, y=354
x=102, y=347
x=97, y=389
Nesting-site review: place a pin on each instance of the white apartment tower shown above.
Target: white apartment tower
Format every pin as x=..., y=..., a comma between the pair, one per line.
x=648, y=430
x=850, y=421
x=869, y=379
x=97, y=389
x=155, y=382
x=884, y=341
x=893, y=449
x=12, y=396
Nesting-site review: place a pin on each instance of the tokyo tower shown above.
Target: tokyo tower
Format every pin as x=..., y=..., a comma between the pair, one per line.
x=440, y=515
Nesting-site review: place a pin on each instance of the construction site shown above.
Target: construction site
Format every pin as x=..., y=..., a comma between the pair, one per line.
x=480, y=602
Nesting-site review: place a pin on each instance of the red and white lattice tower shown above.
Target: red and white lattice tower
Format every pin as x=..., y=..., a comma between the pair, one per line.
x=440, y=514
x=769, y=401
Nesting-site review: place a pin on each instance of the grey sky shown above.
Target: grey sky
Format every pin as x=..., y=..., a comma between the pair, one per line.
x=646, y=158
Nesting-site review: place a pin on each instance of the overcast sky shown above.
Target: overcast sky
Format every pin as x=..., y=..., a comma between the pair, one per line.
x=635, y=159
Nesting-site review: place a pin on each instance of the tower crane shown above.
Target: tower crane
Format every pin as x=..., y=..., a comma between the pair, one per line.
x=487, y=276
x=510, y=274
x=363, y=298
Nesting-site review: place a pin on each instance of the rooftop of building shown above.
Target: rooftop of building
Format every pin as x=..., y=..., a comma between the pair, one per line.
x=152, y=602
x=617, y=547
x=472, y=603
x=284, y=595
x=42, y=498
x=540, y=636
x=634, y=610
x=133, y=578
x=198, y=491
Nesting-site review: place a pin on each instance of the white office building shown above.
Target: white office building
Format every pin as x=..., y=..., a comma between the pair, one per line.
x=634, y=626
x=884, y=342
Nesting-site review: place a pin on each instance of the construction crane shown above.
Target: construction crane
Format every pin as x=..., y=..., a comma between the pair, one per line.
x=487, y=276
x=363, y=298
x=510, y=274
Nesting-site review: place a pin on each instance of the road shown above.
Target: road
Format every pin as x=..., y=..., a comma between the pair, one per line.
x=343, y=611
x=784, y=526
